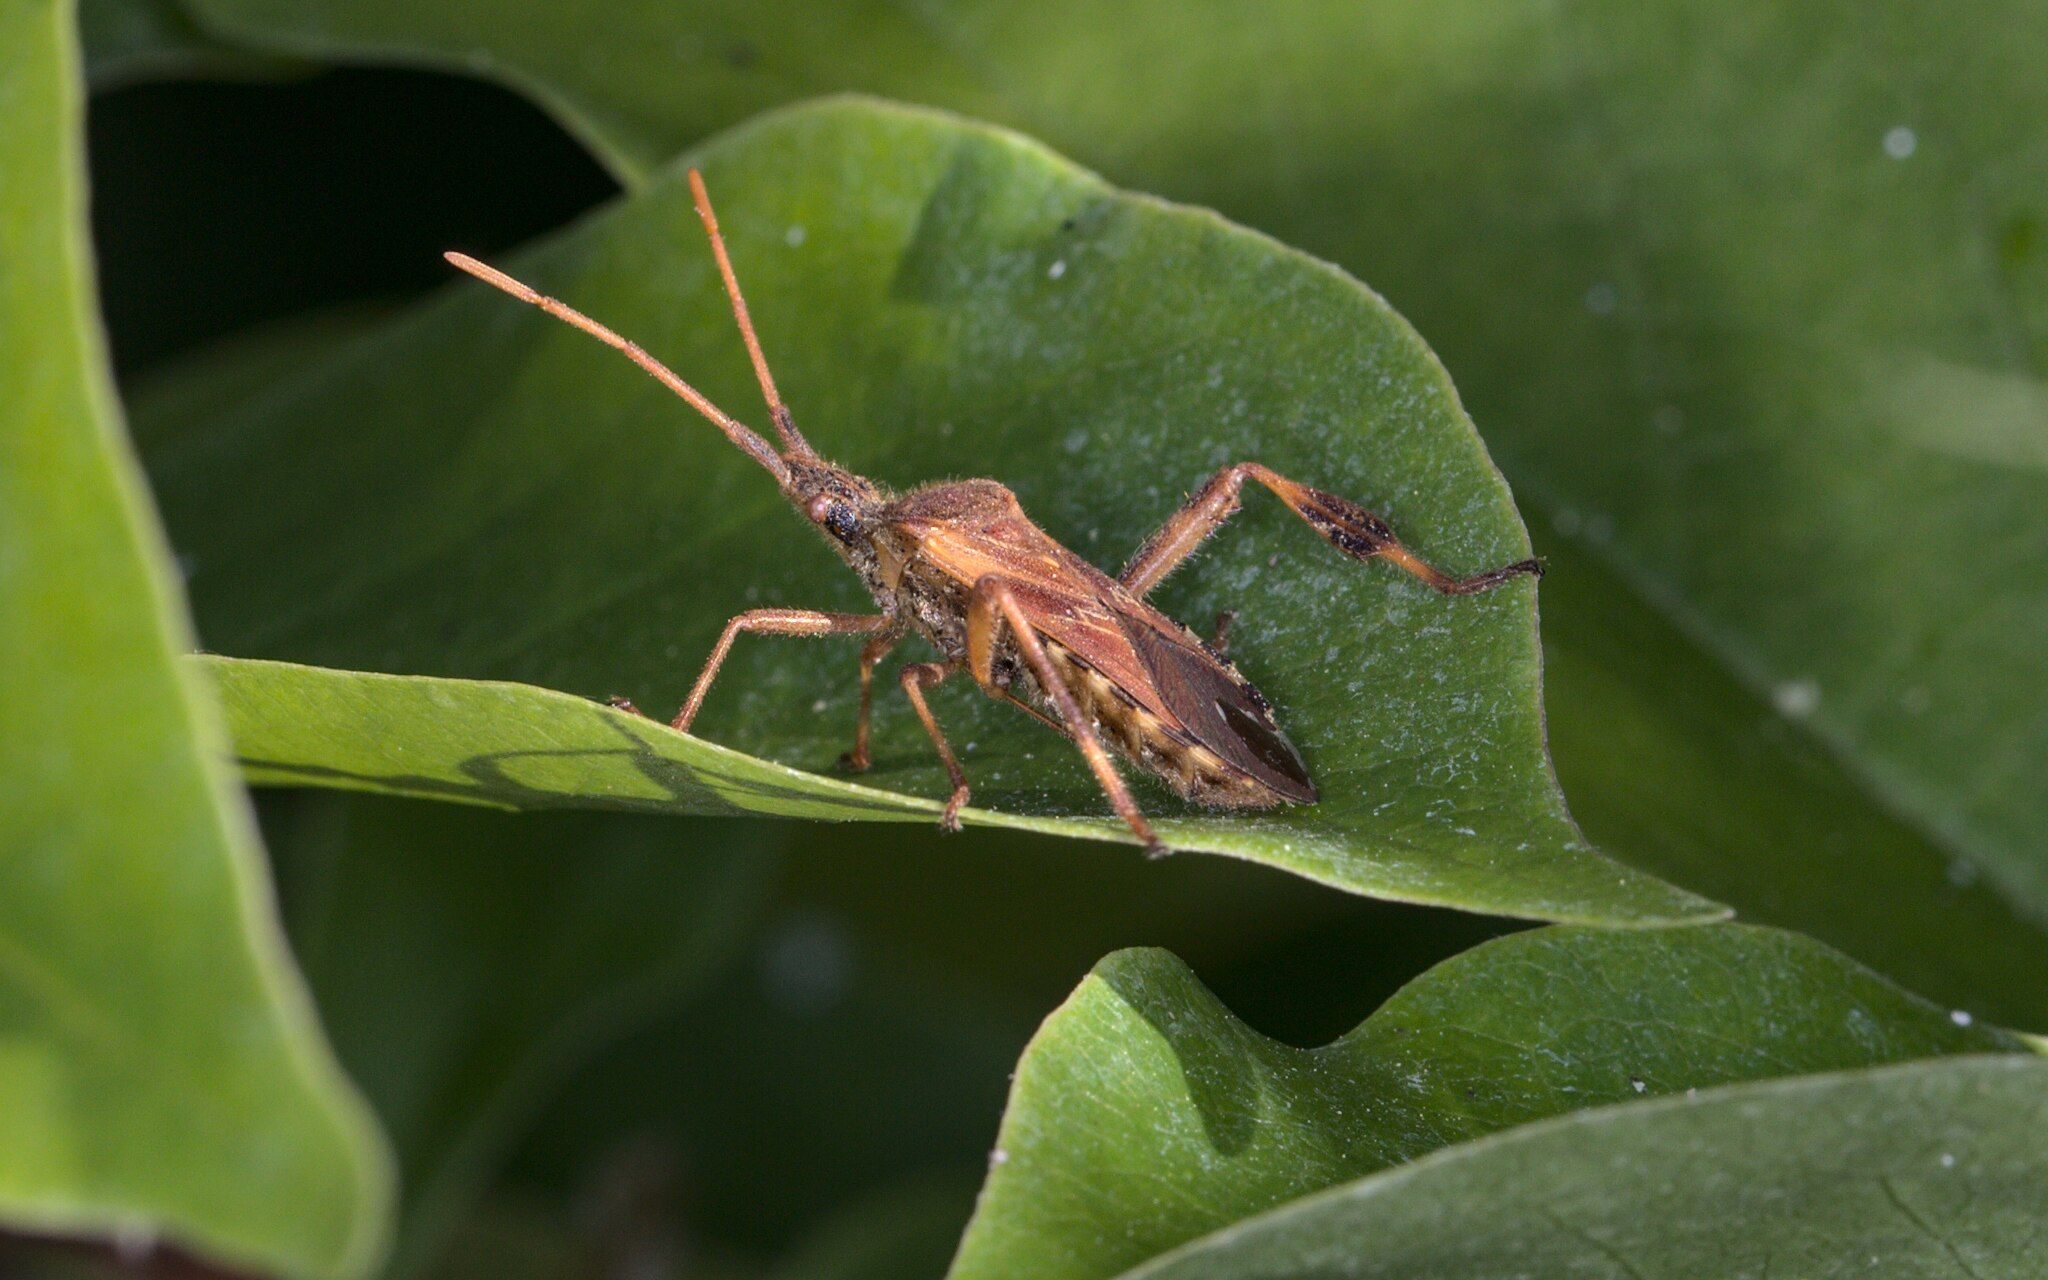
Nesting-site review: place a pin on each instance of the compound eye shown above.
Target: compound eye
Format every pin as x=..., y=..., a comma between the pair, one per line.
x=837, y=518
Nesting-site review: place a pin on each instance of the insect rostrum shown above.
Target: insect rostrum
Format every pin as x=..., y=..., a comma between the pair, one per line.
x=1034, y=624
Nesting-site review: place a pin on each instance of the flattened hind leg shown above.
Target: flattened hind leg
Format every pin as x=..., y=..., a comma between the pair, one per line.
x=1343, y=524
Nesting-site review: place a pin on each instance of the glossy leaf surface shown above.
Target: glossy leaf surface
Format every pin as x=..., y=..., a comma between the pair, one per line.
x=1145, y=1115
x=939, y=299
x=1932, y=1169
x=160, y=1070
x=1750, y=300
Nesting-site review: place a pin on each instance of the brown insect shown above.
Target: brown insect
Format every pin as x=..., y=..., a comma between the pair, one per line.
x=1034, y=624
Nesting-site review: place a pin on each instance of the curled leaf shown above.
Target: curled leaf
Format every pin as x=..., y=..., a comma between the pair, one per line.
x=938, y=298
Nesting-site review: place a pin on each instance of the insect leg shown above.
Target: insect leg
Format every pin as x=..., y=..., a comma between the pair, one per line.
x=914, y=677
x=992, y=597
x=870, y=653
x=1225, y=619
x=776, y=622
x=1343, y=524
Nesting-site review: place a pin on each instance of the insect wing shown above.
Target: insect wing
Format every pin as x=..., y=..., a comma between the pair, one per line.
x=1218, y=709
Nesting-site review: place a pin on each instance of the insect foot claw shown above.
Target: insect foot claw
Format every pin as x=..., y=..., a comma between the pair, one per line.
x=1493, y=578
x=616, y=703
x=853, y=761
x=1156, y=848
x=950, y=819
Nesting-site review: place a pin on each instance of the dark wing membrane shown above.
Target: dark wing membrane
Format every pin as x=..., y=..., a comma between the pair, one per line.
x=1218, y=709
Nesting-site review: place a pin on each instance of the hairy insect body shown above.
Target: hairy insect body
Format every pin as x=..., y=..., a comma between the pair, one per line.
x=1033, y=623
x=1149, y=688
x=1147, y=740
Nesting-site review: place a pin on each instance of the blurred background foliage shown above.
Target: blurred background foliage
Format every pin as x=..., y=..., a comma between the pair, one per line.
x=645, y=1046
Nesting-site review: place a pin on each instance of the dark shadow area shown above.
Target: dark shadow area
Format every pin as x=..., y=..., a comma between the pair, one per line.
x=27, y=1254
x=689, y=789
x=220, y=206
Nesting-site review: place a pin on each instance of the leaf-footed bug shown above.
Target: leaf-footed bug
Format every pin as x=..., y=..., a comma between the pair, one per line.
x=1034, y=624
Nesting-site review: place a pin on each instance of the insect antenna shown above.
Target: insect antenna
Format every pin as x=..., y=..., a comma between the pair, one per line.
x=760, y=450
x=785, y=426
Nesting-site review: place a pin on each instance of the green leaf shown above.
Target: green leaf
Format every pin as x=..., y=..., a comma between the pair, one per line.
x=1671, y=761
x=1932, y=1169
x=1144, y=1114
x=186, y=393
x=1673, y=765
x=126, y=41
x=160, y=1071
x=1752, y=301
x=940, y=299
x=520, y=747
x=467, y=963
